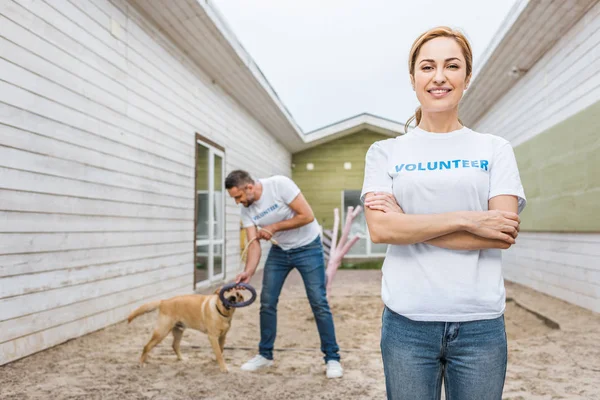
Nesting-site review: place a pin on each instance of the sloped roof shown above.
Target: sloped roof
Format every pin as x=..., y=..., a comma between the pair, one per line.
x=352, y=125
x=528, y=32
x=198, y=28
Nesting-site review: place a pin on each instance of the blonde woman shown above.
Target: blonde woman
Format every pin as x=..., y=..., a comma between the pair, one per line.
x=446, y=199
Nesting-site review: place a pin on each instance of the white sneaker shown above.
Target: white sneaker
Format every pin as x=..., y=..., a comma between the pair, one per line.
x=257, y=362
x=334, y=369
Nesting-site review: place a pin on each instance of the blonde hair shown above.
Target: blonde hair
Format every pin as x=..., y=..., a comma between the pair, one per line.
x=440, y=31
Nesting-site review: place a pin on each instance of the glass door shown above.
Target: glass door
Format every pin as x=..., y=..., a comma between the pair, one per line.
x=210, y=214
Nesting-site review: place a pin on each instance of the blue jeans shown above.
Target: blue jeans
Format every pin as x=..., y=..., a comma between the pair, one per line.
x=310, y=263
x=470, y=356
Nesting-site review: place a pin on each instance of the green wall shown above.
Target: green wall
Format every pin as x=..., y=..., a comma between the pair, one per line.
x=323, y=185
x=560, y=171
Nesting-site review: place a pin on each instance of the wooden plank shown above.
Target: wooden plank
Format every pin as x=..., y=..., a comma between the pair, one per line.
x=559, y=292
x=18, y=327
x=15, y=349
x=14, y=307
x=107, y=8
x=570, y=243
x=21, y=54
x=27, y=80
x=37, y=222
x=47, y=128
x=43, y=146
x=26, y=30
x=78, y=14
x=566, y=260
x=18, y=97
x=558, y=278
x=43, y=183
x=99, y=46
x=27, y=263
x=40, y=282
x=47, y=203
x=57, y=19
x=39, y=163
x=572, y=273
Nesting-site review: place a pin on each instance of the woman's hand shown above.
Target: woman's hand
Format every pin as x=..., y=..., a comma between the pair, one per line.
x=494, y=224
x=382, y=201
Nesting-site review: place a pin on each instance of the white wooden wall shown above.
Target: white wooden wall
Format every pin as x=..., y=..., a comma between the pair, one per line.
x=564, y=82
x=97, y=133
x=563, y=265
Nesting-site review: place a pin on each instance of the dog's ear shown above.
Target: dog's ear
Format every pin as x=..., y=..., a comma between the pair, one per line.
x=218, y=290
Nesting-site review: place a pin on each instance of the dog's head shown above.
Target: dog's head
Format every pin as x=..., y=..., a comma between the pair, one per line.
x=233, y=296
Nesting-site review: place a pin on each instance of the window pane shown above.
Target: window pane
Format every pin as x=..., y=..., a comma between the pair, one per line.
x=359, y=248
x=351, y=198
x=378, y=248
x=218, y=259
x=202, y=192
x=359, y=224
x=218, y=198
x=202, y=217
x=201, y=270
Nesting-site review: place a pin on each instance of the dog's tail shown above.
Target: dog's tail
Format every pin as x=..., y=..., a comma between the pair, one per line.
x=153, y=305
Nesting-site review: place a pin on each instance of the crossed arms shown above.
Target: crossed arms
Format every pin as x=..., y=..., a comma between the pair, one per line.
x=496, y=228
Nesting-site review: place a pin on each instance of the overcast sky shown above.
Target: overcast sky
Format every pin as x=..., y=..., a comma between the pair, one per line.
x=332, y=59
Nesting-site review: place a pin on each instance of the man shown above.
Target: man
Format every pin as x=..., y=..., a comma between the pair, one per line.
x=275, y=208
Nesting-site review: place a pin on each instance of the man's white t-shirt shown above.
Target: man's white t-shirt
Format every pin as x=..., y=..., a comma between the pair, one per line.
x=431, y=173
x=273, y=206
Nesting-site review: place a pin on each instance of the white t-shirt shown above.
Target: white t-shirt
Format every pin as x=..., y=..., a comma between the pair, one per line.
x=273, y=206
x=431, y=173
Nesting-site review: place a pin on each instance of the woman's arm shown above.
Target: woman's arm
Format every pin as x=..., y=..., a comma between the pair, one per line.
x=466, y=230
x=468, y=241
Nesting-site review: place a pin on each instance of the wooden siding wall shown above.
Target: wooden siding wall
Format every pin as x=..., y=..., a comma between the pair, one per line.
x=563, y=86
x=98, y=116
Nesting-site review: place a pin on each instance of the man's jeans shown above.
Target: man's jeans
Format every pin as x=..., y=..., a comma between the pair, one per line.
x=470, y=356
x=310, y=263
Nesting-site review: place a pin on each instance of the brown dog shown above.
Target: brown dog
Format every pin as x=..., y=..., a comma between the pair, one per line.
x=205, y=313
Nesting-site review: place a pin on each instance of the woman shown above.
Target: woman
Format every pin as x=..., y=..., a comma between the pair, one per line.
x=446, y=199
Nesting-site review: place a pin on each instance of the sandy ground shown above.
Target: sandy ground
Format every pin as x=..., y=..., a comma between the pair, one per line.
x=555, y=356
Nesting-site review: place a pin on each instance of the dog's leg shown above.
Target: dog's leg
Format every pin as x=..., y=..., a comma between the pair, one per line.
x=163, y=327
x=177, y=335
x=222, y=342
x=214, y=342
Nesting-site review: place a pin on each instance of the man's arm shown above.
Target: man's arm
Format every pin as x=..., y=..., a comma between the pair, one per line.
x=252, y=257
x=304, y=216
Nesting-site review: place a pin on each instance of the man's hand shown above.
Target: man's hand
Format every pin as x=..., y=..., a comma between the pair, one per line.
x=243, y=277
x=266, y=233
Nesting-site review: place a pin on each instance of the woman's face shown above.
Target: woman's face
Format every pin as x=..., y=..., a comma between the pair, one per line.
x=440, y=75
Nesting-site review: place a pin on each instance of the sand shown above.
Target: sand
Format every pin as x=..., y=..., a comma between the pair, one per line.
x=552, y=355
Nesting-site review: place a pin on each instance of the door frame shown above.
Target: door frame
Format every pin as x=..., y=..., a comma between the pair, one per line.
x=214, y=149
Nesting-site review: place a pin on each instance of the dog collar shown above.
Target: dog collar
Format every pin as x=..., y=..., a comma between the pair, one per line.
x=219, y=310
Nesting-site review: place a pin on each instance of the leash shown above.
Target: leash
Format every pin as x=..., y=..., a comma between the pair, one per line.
x=246, y=286
x=247, y=247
